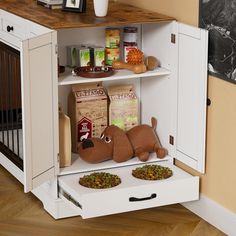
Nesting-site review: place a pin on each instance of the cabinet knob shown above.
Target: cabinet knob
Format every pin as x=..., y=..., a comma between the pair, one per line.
x=208, y=101
x=10, y=28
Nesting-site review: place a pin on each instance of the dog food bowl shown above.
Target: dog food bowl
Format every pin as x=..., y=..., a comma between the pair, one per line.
x=100, y=180
x=152, y=172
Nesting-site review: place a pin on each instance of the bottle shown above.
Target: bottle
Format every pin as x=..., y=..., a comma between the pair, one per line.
x=64, y=140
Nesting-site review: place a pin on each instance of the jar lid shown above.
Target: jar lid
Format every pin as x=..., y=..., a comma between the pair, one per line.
x=130, y=30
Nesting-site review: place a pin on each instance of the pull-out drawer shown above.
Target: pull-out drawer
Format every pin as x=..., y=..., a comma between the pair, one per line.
x=131, y=194
x=13, y=25
x=14, y=29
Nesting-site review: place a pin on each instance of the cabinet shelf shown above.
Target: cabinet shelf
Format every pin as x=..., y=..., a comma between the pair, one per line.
x=67, y=78
x=79, y=166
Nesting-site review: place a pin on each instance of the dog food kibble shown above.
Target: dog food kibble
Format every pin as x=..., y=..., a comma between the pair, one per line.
x=100, y=180
x=152, y=172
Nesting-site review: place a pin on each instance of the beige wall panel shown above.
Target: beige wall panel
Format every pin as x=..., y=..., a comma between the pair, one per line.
x=219, y=181
x=220, y=178
x=183, y=10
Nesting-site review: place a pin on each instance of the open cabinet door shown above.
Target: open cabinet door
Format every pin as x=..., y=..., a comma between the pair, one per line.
x=39, y=109
x=192, y=96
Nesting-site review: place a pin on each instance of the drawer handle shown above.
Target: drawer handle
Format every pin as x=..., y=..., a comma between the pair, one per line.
x=10, y=28
x=134, y=199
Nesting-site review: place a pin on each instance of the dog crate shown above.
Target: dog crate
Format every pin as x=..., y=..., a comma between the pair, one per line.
x=10, y=105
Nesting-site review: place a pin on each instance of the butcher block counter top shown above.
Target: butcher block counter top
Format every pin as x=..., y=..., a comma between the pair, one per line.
x=118, y=14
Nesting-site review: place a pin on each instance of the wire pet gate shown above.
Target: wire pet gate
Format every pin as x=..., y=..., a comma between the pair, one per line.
x=10, y=105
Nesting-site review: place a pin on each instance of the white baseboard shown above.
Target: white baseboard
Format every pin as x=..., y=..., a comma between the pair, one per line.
x=214, y=213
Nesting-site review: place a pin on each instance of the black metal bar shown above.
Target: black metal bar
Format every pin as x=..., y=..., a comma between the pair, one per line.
x=1, y=95
x=10, y=104
x=11, y=87
x=12, y=156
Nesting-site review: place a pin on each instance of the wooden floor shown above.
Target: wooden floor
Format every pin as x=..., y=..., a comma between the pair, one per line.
x=23, y=215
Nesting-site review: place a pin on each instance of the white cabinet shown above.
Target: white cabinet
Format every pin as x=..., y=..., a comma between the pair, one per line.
x=175, y=94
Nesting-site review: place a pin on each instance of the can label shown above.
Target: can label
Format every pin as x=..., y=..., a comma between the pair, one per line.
x=126, y=51
x=112, y=54
x=112, y=38
x=130, y=37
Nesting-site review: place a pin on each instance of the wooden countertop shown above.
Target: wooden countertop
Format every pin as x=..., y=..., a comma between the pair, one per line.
x=118, y=14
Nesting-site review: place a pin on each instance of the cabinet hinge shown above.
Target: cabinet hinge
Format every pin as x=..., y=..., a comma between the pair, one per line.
x=171, y=140
x=58, y=157
x=56, y=49
x=173, y=39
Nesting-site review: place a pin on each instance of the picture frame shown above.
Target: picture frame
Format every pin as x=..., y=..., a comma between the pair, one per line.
x=74, y=5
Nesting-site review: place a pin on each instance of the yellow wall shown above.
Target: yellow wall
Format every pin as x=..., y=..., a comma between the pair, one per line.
x=219, y=181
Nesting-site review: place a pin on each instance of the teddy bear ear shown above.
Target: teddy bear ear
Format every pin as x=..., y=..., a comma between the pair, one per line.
x=122, y=148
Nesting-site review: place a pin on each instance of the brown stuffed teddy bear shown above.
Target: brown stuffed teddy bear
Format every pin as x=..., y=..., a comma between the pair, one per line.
x=121, y=146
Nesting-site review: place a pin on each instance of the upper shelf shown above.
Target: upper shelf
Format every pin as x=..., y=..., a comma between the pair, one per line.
x=66, y=78
x=118, y=14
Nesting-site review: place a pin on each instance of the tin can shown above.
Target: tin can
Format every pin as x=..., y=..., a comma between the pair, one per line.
x=112, y=54
x=112, y=38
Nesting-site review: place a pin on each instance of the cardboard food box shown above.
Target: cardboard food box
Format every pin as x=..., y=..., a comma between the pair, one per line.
x=97, y=55
x=78, y=55
x=123, y=107
x=88, y=111
x=84, y=56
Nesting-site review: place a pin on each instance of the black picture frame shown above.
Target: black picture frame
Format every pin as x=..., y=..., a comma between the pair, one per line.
x=74, y=5
x=219, y=18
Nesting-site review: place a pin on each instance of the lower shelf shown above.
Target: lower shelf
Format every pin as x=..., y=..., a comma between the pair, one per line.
x=181, y=187
x=80, y=166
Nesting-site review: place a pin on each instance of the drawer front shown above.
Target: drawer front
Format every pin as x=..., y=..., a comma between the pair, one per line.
x=13, y=26
x=16, y=28
x=131, y=194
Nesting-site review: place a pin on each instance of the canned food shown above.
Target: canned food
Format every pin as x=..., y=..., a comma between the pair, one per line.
x=112, y=54
x=112, y=38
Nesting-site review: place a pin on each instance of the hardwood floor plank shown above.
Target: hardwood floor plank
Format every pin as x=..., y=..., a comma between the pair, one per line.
x=205, y=229
x=183, y=229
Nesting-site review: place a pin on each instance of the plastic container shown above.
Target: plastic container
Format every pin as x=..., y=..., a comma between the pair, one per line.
x=130, y=40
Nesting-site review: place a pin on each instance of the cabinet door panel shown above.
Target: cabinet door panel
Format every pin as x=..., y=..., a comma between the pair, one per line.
x=192, y=96
x=39, y=109
x=159, y=93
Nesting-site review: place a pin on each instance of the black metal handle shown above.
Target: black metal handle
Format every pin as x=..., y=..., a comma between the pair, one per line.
x=10, y=28
x=134, y=199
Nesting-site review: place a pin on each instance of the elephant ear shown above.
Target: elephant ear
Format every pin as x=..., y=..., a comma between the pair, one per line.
x=122, y=148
